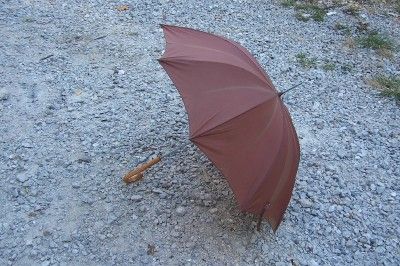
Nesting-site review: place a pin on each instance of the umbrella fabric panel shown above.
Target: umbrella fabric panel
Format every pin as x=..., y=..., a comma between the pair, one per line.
x=214, y=93
x=248, y=150
x=186, y=37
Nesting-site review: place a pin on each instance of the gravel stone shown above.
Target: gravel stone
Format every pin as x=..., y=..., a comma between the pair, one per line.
x=4, y=94
x=342, y=153
x=180, y=211
x=136, y=197
x=22, y=177
x=213, y=210
x=306, y=203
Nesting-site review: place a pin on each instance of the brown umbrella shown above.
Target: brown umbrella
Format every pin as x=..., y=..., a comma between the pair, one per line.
x=236, y=118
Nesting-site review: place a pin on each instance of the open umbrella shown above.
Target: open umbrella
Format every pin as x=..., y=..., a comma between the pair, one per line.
x=236, y=118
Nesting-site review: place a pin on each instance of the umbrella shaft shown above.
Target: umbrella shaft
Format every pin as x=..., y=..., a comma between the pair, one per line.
x=283, y=92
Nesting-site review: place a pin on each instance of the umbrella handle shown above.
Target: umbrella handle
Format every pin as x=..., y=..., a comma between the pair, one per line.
x=136, y=174
x=129, y=178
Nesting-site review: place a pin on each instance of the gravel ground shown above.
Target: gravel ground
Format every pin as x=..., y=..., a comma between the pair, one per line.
x=82, y=100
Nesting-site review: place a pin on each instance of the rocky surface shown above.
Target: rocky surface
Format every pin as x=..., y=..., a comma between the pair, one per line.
x=83, y=100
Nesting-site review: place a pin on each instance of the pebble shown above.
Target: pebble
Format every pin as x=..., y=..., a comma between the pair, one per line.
x=136, y=198
x=312, y=263
x=180, y=211
x=213, y=210
x=84, y=159
x=22, y=177
x=342, y=153
x=45, y=263
x=380, y=250
x=306, y=203
x=4, y=94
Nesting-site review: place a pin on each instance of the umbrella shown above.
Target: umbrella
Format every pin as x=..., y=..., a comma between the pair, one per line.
x=236, y=118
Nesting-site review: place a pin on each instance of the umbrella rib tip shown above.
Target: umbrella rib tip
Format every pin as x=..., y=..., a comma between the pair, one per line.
x=163, y=26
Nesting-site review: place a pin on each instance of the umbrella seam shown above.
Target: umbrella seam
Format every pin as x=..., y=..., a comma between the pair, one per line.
x=176, y=59
x=221, y=52
x=249, y=198
x=234, y=44
x=236, y=116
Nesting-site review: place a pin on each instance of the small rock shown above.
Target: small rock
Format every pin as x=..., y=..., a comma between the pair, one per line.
x=22, y=177
x=151, y=249
x=111, y=219
x=346, y=234
x=45, y=263
x=350, y=243
x=380, y=189
x=27, y=144
x=88, y=200
x=84, y=159
x=380, y=250
x=66, y=238
x=4, y=95
x=331, y=168
x=136, y=197
x=180, y=211
x=342, y=153
x=306, y=203
x=158, y=191
x=213, y=210
x=29, y=242
x=175, y=233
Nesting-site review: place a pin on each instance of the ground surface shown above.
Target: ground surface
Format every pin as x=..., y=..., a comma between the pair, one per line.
x=73, y=123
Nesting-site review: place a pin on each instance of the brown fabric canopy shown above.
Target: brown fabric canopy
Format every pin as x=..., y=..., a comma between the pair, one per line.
x=236, y=118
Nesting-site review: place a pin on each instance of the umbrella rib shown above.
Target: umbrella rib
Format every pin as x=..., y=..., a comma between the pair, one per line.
x=252, y=191
x=234, y=44
x=250, y=64
x=181, y=59
x=234, y=117
x=253, y=60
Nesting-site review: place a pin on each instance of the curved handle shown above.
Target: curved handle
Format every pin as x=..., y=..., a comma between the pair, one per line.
x=133, y=175
x=129, y=178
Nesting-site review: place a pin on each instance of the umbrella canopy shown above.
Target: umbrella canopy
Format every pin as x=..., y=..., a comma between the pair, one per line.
x=236, y=118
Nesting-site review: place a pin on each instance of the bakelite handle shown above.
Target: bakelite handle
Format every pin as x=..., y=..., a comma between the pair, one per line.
x=136, y=174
